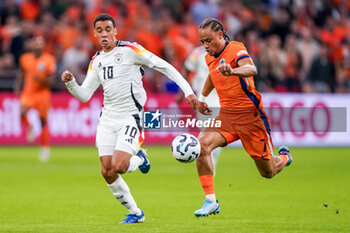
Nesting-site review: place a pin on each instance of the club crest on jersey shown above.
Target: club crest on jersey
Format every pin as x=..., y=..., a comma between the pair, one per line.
x=222, y=61
x=41, y=66
x=119, y=58
x=99, y=65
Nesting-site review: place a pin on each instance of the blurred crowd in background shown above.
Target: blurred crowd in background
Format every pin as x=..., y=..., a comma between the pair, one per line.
x=297, y=46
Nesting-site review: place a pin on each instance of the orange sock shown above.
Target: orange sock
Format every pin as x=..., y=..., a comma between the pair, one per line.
x=284, y=158
x=207, y=182
x=45, y=136
x=25, y=121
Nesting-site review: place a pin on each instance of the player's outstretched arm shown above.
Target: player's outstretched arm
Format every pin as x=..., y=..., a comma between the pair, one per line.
x=207, y=88
x=246, y=68
x=83, y=92
x=180, y=96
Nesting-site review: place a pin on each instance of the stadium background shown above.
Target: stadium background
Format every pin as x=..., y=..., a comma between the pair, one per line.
x=302, y=52
x=298, y=47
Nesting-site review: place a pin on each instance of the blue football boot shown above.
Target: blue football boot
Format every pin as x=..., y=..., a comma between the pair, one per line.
x=133, y=218
x=146, y=165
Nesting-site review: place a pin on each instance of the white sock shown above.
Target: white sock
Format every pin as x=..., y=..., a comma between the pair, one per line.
x=122, y=193
x=215, y=154
x=135, y=162
x=44, y=154
x=210, y=197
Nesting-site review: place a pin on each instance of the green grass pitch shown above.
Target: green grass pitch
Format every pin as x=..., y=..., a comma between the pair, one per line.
x=68, y=194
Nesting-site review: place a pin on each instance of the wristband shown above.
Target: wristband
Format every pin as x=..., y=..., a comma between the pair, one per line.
x=201, y=98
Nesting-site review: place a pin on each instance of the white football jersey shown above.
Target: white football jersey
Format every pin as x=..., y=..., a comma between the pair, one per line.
x=120, y=74
x=196, y=63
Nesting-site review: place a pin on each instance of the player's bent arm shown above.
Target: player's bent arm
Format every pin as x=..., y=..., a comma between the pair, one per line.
x=246, y=68
x=208, y=87
x=85, y=91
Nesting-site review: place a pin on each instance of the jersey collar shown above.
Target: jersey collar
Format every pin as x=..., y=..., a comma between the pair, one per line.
x=218, y=55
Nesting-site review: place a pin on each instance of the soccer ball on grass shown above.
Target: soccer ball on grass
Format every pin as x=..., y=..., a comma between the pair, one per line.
x=185, y=148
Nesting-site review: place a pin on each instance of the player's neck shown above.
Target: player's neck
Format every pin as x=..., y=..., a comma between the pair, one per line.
x=221, y=49
x=38, y=53
x=110, y=48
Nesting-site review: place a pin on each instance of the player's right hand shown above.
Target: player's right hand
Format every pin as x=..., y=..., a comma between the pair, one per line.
x=66, y=76
x=203, y=108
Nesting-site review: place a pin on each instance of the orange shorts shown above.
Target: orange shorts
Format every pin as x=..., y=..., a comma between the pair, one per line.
x=255, y=136
x=39, y=102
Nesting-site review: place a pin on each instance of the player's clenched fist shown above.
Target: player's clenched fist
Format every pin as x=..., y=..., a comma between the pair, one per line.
x=66, y=76
x=225, y=69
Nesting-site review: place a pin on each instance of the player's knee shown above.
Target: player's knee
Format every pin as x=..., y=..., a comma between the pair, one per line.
x=205, y=146
x=267, y=174
x=120, y=168
x=107, y=172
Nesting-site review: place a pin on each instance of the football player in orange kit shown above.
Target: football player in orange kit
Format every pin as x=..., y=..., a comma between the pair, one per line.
x=231, y=72
x=38, y=68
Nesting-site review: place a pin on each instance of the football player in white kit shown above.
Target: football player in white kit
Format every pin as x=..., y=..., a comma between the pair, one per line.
x=119, y=133
x=195, y=62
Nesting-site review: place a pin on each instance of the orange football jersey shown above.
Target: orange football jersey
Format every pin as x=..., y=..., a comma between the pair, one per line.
x=237, y=94
x=34, y=68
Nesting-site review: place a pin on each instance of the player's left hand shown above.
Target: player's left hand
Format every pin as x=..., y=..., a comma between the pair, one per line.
x=192, y=100
x=225, y=69
x=203, y=108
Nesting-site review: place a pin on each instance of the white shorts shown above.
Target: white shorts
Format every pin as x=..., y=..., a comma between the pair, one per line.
x=125, y=134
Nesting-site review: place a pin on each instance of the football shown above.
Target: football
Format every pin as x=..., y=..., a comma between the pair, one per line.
x=185, y=148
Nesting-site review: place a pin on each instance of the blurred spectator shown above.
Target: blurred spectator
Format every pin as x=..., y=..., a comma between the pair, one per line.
x=19, y=42
x=30, y=9
x=8, y=71
x=76, y=59
x=203, y=9
x=11, y=29
x=322, y=72
x=276, y=64
x=342, y=62
x=308, y=48
x=8, y=8
x=280, y=25
x=293, y=64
